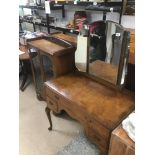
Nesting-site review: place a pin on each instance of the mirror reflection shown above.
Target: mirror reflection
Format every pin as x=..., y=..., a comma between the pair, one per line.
x=105, y=50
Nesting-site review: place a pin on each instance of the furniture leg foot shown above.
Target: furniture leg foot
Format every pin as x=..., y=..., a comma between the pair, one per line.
x=39, y=97
x=56, y=114
x=47, y=110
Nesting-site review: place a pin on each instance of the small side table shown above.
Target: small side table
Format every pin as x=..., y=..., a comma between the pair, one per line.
x=25, y=64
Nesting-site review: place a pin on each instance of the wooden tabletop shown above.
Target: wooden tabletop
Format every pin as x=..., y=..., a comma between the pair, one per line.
x=107, y=105
x=69, y=38
x=46, y=46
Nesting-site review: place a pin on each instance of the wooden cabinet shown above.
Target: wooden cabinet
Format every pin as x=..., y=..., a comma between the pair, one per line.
x=60, y=56
x=120, y=143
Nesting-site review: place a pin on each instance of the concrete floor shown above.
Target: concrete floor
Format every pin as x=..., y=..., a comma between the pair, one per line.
x=34, y=137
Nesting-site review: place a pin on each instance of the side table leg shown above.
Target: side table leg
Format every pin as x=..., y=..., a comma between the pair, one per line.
x=47, y=110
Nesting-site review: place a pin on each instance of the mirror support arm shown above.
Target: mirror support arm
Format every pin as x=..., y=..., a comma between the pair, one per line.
x=104, y=15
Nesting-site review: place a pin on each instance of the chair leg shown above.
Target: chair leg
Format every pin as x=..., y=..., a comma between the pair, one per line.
x=23, y=82
x=25, y=73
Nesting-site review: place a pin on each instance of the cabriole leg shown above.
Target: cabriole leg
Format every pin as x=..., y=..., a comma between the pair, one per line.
x=47, y=110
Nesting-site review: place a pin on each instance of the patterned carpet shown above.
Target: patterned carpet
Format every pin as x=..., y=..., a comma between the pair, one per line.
x=80, y=146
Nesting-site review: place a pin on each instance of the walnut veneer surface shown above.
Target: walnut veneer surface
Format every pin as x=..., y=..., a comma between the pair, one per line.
x=97, y=107
x=107, y=105
x=46, y=46
x=71, y=39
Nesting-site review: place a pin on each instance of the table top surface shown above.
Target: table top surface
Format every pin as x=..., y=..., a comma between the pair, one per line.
x=71, y=39
x=46, y=46
x=107, y=105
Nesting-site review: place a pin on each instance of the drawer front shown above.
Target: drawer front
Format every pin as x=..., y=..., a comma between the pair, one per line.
x=53, y=105
x=101, y=130
x=52, y=94
x=82, y=117
x=73, y=110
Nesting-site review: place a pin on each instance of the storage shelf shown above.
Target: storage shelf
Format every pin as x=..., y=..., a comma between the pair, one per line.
x=104, y=8
x=88, y=3
x=35, y=23
x=73, y=31
x=93, y=6
x=52, y=7
x=32, y=7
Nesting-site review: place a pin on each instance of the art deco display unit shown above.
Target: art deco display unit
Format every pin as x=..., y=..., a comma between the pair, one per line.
x=93, y=92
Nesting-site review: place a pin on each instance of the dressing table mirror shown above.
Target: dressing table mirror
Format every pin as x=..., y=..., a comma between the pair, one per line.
x=104, y=53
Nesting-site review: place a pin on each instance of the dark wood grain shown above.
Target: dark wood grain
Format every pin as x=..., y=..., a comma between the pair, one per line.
x=69, y=38
x=94, y=97
x=97, y=107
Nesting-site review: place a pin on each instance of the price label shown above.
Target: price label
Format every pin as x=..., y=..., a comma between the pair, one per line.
x=47, y=7
x=94, y=3
x=75, y=2
x=118, y=34
x=111, y=9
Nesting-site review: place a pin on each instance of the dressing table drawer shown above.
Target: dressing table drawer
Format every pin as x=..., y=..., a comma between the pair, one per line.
x=98, y=128
x=52, y=104
x=74, y=111
x=52, y=94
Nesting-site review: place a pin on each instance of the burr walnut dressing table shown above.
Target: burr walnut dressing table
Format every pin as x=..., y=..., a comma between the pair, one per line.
x=98, y=103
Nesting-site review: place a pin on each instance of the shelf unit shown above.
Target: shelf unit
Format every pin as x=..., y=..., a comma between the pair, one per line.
x=91, y=6
x=52, y=7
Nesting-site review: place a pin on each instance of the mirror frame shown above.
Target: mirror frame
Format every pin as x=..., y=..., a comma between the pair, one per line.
x=123, y=55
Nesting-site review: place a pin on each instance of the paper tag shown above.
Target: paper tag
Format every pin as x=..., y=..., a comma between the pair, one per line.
x=47, y=7
x=111, y=9
x=75, y=2
x=94, y=3
x=118, y=34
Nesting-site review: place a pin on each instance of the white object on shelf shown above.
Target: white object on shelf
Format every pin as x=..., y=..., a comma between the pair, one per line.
x=47, y=7
x=129, y=126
